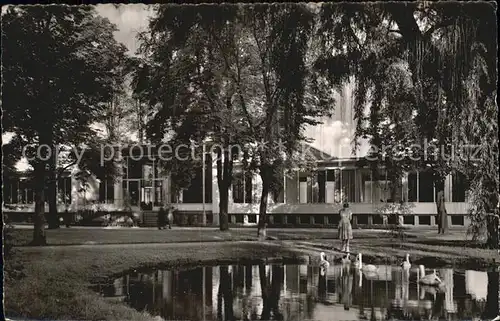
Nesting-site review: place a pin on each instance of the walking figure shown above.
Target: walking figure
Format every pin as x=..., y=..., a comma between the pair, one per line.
x=162, y=216
x=67, y=220
x=170, y=216
x=345, y=227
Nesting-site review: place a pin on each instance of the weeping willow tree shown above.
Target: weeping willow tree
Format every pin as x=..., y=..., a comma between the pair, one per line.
x=359, y=49
x=449, y=50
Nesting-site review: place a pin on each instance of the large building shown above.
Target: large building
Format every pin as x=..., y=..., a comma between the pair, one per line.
x=308, y=198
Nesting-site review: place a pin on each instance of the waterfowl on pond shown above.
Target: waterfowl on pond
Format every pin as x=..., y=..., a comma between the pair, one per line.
x=406, y=265
x=429, y=279
x=346, y=260
x=357, y=262
x=365, y=268
x=324, y=264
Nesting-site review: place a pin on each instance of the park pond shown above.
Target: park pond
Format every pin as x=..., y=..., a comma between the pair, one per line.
x=306, y=292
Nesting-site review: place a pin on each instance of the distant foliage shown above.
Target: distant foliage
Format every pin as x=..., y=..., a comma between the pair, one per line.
x=12, y=268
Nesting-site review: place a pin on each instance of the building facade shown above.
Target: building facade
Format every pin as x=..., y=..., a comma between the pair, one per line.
x=308, y=198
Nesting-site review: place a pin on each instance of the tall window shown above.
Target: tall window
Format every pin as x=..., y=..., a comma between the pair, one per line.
x=208, y=179
x=303, y=184
x=107, y=191
x=23, y=185
x=348, y=185
x=7, y=191
x=322, y=186
x=380, y=186
x=30, y=195
x=194, y=193
x=248, y=188
x=338, y=186
x=135, y=169
x=14, y=191
x=64, y=190
x=425, y=187
x=280, y=196
x=242, y=187
x=330, y=186
x=313, y=188
x=458, y=187
x=158, y=193
x=292, y=188
x=365, y=186
x=238, y=188
x=412, y=187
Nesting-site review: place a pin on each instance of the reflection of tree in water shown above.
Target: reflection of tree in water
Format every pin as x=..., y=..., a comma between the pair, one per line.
x=322, y=285
x=171, y=294
x=248, y=310
x=357, y=290
x=346, y=283
x=271, y=293
x=438, y=306
x=225, y=296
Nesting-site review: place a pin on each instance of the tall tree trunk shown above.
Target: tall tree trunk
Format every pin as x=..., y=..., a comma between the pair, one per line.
x=492, y=218
x=491, y=309
x=39, y=238
x=396, y=197
x=442, y=214
x=261, y=226
x=224, y=206
x=53, y=218
x=224, y=179
x=492, y=227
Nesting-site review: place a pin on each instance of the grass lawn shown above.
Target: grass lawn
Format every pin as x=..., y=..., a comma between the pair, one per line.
x=56, y=280
x=72, y=236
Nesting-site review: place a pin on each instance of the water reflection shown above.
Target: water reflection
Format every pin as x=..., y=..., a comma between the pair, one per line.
x=297, y=292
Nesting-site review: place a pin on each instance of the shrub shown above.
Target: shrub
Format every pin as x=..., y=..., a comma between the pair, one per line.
x=12, y=268
x=396, y=211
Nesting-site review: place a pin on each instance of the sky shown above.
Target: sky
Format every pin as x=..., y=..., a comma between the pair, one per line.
x=129, y=18
x=332, y=137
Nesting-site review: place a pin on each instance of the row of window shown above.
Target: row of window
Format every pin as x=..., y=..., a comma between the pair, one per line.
x=351, y=185
x=324, y=186
x=22, y=192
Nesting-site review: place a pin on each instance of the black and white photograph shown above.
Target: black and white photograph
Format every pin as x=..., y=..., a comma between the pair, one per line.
x=212, y=161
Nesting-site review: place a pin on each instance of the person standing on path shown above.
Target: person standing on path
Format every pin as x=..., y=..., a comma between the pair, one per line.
x=161, y=218
x=345, y=227
x=170, y=216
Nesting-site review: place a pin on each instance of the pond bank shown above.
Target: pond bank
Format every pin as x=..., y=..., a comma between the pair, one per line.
x=387, y=251
x=55, y=282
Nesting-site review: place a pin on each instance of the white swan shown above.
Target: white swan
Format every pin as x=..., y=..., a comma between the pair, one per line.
x=497, y=318
x=357, y=262
x=406, y=265
x=365, y=268
x=324, y=264
x=429, y=279
x=346, y=260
